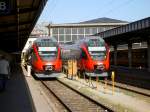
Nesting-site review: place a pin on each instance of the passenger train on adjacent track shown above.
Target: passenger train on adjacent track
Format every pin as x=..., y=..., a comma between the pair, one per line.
x=94, y=59
x=44, y=57
x=92, y=55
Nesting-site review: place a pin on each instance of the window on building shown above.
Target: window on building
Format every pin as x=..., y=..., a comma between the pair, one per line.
x=61, y=30
x=94, y=30
x=87, y=30
x=55, y=31
x=80, y=36
x=68, y=31
x=100, y=29
x=61, y=38
x=68, y=37
x=80, y=30
x=74, y=30
x=74, y=37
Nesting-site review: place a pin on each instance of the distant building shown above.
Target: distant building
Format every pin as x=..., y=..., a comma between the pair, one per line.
x=72, y=31
x=40, y=29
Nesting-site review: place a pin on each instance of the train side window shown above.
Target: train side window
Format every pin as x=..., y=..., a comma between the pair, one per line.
x=83, y=55
x=34, y=57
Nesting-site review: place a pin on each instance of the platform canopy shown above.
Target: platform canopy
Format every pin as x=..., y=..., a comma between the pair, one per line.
x=17, y=19
x=137, y=31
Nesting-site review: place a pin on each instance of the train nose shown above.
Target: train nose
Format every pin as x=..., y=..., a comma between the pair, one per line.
x=99, y=67
x=48, y=67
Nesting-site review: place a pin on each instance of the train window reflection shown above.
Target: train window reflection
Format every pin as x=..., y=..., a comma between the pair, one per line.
x=98, y=55
x=95, y=42
x=46, y=44
x=48, y=55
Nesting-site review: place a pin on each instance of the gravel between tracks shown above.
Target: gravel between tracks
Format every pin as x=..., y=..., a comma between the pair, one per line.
x=118, y=102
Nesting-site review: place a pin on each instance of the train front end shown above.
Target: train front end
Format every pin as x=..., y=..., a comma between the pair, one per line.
x=96, y=60
x=46, y=57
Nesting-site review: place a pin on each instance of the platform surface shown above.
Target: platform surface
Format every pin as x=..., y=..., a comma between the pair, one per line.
x=16, y=97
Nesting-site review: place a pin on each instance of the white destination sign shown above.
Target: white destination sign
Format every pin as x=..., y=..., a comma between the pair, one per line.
x=47, y=49
x=97, y=48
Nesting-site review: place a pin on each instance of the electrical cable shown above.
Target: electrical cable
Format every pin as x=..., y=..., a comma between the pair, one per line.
x=117, y=7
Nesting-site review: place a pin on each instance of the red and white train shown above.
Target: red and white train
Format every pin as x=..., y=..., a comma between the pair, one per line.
x=44, y=57
x=92, y=55
x=94, y=59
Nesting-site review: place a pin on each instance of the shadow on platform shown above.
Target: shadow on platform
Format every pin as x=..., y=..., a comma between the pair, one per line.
x=16, y=97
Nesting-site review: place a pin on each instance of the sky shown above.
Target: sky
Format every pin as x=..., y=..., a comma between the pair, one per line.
x=73, y=11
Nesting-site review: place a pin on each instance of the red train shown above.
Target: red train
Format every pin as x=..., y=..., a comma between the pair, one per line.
x=44, y=56
x=92, y=55
x=94, y=59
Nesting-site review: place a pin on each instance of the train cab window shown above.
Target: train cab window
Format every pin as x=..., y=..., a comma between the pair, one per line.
x=96, y=42
x=98, y=55
x=48, y=55
x=34, y=57
x=83, y=55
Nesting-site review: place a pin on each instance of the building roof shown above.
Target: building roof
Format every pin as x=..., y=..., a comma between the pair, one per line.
x=137, y=31
x=92, y=23
x=103, y=20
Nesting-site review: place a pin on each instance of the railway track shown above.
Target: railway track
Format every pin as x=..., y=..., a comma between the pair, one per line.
x=73, y=100
x=127, y=87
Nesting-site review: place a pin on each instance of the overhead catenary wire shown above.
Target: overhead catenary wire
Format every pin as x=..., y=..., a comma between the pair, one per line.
x=50, y=12
x=100, y=9
x=116, y=8
x=49, y=8
x=113, y=5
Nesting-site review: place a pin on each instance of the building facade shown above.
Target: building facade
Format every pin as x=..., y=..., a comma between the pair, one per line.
x=40, y=29
x=71, y=32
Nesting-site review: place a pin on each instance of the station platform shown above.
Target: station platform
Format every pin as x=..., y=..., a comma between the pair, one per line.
x=16, y=97
x=23, y=94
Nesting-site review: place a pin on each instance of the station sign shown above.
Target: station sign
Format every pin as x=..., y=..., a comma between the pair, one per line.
x=5, y=7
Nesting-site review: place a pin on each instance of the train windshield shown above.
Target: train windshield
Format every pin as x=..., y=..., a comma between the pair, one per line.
x=47, y=42
x=96, y=42
x=96, y=48
x=97, y=53
x=47, y=53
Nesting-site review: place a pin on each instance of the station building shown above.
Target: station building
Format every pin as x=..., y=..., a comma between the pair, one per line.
x=73, y=31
